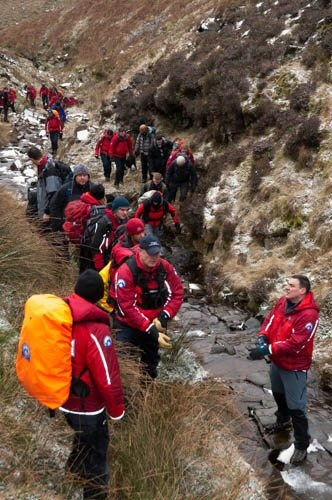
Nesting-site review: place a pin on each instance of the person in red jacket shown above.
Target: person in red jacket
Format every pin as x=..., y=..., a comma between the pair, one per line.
x=54, y=128
x=287, y=337
x=125, y=247
x=31, y=94
x=102, y=150
x=116, y=213
x=180, y=148
x=153, y=212
x=149, y=293
x=121, y=146
x=96, y=390
x=44, y=94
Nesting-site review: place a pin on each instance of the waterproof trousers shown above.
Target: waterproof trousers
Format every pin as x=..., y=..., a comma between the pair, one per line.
x=289, y=390
x=88, y=458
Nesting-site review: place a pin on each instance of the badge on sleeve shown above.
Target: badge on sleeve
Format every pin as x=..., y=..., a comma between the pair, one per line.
x=108, y=341
x=121, y=283
x=309, y=327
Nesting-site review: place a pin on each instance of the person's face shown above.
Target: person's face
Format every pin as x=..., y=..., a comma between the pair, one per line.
x=122, y=133
x=122, y=213
x=294, y=292
x=157, y=178
x=150, y=261
x=35, y=162
x=82, y=179
x=137, y=237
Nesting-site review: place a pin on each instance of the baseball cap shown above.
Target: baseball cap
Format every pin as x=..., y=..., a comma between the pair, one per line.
x=150, y=244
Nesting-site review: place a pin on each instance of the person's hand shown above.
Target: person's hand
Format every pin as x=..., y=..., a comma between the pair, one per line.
x=159, y=326
x=46, y=217
x=164, y=341
x=262, y=349
x=97, y=156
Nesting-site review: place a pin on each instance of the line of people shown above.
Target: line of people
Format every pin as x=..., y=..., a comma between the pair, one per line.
x=172, y=160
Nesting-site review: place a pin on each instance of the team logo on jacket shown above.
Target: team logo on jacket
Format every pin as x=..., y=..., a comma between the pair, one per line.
x=108, y=341
x=309, y=327
x=121, y=283
x=26, y=353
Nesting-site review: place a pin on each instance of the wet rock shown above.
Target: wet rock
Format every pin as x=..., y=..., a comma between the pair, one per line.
x=220, y=346
x=252, y=325
x=261, y=379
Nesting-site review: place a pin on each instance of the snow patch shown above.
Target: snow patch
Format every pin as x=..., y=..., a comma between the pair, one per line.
x=302, y=483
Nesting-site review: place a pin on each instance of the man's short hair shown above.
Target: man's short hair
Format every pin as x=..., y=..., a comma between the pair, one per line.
x=303, y=280
x=35, y=153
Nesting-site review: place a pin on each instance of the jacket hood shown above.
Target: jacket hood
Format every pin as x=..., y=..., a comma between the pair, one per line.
x=88, y=198
x=82, y=310
x=307, y=303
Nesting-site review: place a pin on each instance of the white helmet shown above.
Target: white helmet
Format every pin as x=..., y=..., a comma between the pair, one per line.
x=180, y=160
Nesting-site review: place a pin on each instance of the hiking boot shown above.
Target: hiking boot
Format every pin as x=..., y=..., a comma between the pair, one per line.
x=279, y=427
x=298, y=456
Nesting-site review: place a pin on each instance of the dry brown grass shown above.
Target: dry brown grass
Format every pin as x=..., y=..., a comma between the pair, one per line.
x=175, y=439
x=28, y=262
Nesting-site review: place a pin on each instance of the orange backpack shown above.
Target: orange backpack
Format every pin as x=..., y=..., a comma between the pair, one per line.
x=43, y=363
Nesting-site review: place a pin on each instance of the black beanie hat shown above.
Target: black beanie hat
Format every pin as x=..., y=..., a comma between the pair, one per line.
x=97, y=191
x=90, y=286
x=156, y=198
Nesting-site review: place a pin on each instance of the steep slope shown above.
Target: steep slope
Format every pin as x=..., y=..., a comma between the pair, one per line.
x=248, y=85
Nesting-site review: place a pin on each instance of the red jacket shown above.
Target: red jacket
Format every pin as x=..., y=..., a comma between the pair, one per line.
x=291, y=335
x=12, y=95
x=93, y=353
x=103, y=145
x=178, y=152
x=120, y=148
x=43, y=91
x=128, y=295
x=155, y=215
x=53, y=124
x=31, y=92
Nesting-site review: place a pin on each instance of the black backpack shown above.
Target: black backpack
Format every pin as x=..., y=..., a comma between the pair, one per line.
x=151, y=299
x=96, y=215
x=64, y=170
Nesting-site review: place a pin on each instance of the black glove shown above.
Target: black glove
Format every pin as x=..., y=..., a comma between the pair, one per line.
x=60, y=136
x=177, y=228
x=261, y=350
x=163, y=318
x=255, y=354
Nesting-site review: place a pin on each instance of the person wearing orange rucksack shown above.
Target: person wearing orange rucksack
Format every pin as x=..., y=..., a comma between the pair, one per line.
x=96, y=387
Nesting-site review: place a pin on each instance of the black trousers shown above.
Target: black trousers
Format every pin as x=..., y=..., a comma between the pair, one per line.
x=107, y=164
x=149, y=347
x=88, y=458
x=145, y=167
x=120, y=169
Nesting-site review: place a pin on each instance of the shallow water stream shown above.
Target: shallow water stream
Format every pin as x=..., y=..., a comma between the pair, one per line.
x=222, y=348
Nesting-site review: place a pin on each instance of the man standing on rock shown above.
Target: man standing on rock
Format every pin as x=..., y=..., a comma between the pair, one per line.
x=287, y=337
